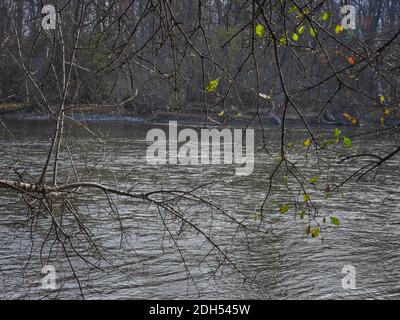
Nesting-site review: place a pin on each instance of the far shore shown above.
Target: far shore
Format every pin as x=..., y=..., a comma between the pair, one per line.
x=90, y=113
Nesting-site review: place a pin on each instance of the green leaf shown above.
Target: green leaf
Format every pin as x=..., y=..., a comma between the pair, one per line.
x=284, y=209
x=335, y=221
x=308, y=230
x=283, y=40
x=212, y=86
x=260, y=30
x=337, y=133
x=313, y=180
x=313, y=32
x=292, y=9
x=306, y=198
x=347, y=142
x=302, y=214
x=325, y=16
x=315, y=232
x=295, y=37
x=301, y=29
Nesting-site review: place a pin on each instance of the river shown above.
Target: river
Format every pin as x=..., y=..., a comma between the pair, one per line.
x=284, y=262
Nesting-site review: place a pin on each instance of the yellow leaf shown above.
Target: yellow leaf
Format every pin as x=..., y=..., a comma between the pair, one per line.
x=307, y=143
x=212, y=86
x=339, y=28
x=295, y=37
x=301, y=29
x=221, y=114
x=382, y=99
x=313, y=32
x=260, y=30
x=282, y=40
x=315, y=232
x=382, y=121
x=386, y=111
x=348, y=117
x=238, y=115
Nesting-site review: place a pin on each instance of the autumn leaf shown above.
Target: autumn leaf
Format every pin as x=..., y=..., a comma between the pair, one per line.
x=382, y=99
x=348, y=117
x=315, y=232
x=382, y=121
x=221, y=114
x=307, y=143
x=386, y=111
x=212, y=86
x=238, y=115
x=260, y=30
x=351, y=60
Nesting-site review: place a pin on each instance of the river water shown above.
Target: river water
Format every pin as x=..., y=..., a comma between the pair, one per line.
x=276, y=259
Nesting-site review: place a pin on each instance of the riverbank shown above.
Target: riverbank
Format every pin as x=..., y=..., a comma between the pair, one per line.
x=111, y=113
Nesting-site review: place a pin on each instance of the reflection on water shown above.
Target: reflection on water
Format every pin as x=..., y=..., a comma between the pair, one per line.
x=283, y=261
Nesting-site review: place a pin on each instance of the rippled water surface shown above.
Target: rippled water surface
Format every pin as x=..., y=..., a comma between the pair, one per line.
x=150, y=261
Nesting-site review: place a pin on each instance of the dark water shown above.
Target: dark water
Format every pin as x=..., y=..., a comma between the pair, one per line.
x=279, y=260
